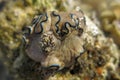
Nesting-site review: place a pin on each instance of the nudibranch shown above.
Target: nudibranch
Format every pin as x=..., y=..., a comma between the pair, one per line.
x=55, y=38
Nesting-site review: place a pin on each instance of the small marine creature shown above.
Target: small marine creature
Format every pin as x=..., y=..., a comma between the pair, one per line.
x=55, y=38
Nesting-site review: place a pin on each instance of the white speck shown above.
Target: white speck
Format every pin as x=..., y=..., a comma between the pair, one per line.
x=92, y=27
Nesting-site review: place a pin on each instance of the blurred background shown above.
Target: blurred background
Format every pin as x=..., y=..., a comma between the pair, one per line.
x=16, y=14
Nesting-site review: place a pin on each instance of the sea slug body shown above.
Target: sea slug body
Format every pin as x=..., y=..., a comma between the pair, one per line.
x=55, y=38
